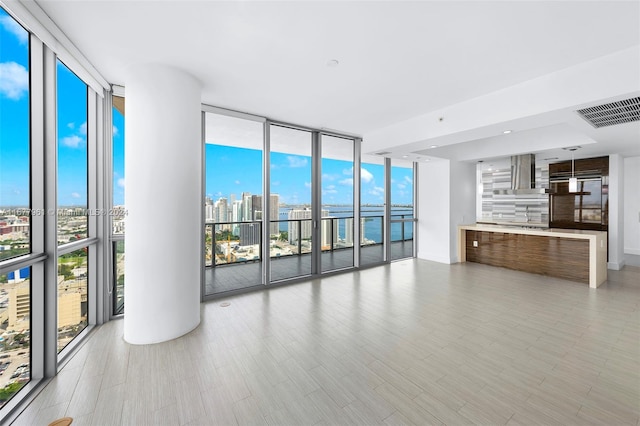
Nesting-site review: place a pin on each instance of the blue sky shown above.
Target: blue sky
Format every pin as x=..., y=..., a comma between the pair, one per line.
x=231, y=170
x=72, y=138
x=14, y=124
x=118, y=158
x=14, y=113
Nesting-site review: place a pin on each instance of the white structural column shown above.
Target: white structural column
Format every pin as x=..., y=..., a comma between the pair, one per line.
x=163, y=172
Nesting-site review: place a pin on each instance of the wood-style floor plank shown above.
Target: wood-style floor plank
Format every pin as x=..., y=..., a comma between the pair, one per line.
x=411, y=343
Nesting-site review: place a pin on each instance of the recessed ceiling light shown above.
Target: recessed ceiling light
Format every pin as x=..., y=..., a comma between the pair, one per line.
x=433, y=146
x=506, y=132
x=332, y=63
x=405, y=156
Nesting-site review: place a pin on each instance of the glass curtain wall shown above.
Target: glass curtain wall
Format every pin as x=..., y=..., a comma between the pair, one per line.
x=72, y=155
x=337, y=212
x=72, y=183
x=117, y=213
x=290, y=187
x=233, y=203
x=15, y=157
x=48, y=142
x=402, y=209
x=15, y=208
x=372, y=210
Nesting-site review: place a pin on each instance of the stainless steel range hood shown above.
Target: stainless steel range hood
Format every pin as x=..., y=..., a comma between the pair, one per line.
x=523, y=177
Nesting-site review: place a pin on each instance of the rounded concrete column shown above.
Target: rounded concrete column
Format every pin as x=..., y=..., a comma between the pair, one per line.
x=163, y=172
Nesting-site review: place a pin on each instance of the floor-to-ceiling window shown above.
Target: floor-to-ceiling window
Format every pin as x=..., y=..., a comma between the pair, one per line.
x=314, y=212
x=117, y=213
x=14, y=139
x=372, y=210
x=234, y=203
x=402, y=209
x=72, y=209
x=337, y=205
x=15, y=208
x=291, y=179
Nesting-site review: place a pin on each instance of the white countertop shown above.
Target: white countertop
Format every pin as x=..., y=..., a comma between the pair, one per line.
x=543, y=232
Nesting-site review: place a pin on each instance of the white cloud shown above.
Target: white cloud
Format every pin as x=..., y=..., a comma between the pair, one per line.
x=83, y=128
x=365, y=175
x=402, y=186
x=275, y=183
x=307, y=184
x=75, y=195
x=115, y=130
x=73, y=141
x=296, y=161
x=330, y=189
x=71, y=125
x=10, y=25
x=14, y=80
x=346, y=182
x=327, y=176
x=408, y=180
x=377, y=191
x=237, y=182
x=121, y=182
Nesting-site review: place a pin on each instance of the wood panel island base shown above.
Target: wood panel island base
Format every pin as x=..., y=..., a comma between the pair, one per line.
x=571, y=254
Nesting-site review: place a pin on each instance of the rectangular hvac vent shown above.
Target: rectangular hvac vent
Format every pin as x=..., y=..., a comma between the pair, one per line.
x=383, y=153
x=618, y=112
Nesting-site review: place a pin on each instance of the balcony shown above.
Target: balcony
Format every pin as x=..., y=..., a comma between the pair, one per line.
x=233, y=250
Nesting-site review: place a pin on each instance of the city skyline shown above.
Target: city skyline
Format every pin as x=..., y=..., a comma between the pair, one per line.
x=291, y=178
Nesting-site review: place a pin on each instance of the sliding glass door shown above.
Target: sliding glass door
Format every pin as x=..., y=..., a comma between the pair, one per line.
x=283, y=202
x=291, y=224
x=233, y=203
x=337, y=203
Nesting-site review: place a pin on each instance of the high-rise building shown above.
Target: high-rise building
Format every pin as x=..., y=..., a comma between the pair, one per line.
x=274, y=212
x=305, y=226
x=249, y=234
x=222, y=212
x=210, y=213
x=328, y=231
x=236, y=216
x=247, y=214
x=348, y=231
x=256, y=207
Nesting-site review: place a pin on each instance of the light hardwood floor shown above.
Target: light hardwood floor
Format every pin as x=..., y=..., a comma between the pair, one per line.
x=413, y=342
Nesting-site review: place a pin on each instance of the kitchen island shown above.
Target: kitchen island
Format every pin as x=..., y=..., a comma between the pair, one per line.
x=572, y=254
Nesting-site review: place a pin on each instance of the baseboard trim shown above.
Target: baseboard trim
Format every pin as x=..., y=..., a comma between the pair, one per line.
x=616, y=266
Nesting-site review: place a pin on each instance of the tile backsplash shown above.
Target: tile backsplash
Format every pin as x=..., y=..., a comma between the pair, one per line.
x=521, y=209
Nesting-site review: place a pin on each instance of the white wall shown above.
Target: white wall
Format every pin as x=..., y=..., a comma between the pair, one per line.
x=616, y=218
x=433, y=199
x=463, y=201
x=447, y=199
x=631, y=209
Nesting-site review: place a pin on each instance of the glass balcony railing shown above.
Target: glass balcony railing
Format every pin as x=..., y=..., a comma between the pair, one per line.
x=232, y=242
x=241, y=242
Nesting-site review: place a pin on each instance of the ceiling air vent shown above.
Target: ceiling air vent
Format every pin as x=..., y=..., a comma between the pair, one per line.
x=383, y=153
x=618, y=112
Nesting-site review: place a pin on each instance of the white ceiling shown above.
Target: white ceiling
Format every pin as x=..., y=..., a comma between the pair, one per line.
x=397, y=60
